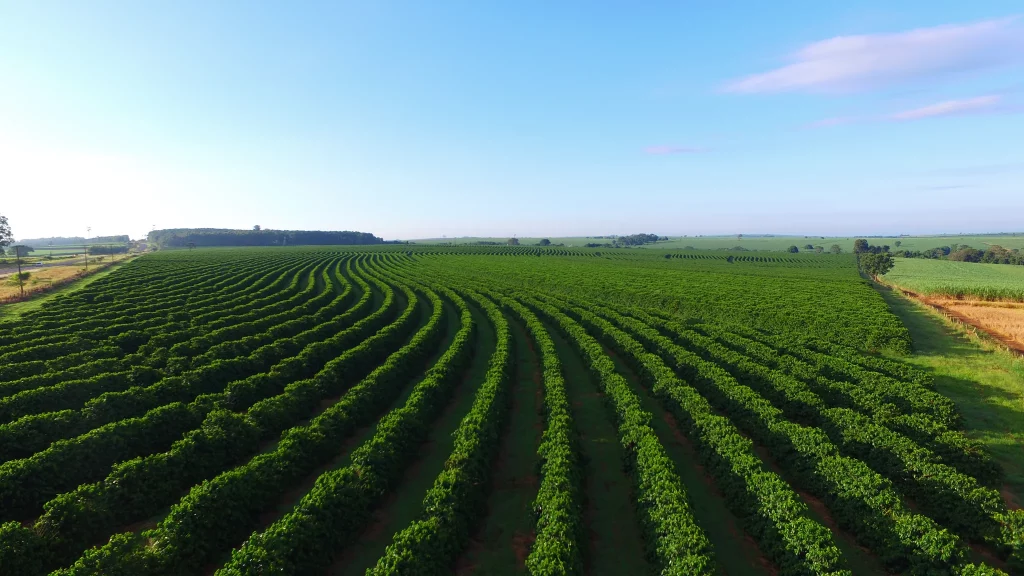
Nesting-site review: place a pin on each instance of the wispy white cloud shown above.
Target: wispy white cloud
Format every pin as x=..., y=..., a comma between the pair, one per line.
x=855, y=63
x=663, y=150
x=978, y=105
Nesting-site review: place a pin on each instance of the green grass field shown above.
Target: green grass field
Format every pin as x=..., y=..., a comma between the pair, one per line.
x=958, y=279
x=773, y=243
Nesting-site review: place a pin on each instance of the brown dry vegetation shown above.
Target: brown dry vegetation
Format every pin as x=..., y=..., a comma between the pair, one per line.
x=1003, y=320
x=40, y=279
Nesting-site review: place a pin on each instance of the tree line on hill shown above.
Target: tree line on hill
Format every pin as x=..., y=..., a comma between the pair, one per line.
x=199, y=237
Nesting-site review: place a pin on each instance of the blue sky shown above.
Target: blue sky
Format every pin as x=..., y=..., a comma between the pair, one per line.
x=422, y=119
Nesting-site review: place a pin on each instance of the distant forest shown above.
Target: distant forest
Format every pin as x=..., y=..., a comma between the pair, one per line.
x=40, y=243
x=183, y=237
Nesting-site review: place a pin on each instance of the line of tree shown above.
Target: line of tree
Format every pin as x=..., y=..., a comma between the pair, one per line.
x=257, y=236
x=995, y=254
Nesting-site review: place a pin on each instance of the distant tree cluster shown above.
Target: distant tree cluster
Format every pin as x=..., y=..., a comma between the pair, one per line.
x=182, y=237
x=639, y=239
x=861, y=246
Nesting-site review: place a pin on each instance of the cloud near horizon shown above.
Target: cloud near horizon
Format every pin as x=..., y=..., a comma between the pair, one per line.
x=663, y=150
x=862, y=62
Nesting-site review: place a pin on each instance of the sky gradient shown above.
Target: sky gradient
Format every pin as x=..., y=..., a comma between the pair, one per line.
x=423, y=119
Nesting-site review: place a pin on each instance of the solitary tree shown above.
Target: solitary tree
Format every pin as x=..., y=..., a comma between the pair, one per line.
x=835, y=249
x=809, y=246
x=256, y=227
x=876, y=264
x=513, y=241
x=819, y=249
x=794, y=249
x=544, y=242
x=6, y=236
x=899, y=243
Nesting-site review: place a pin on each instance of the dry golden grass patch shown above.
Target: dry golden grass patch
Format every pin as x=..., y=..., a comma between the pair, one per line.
x=39, y=279
x=1005, y=319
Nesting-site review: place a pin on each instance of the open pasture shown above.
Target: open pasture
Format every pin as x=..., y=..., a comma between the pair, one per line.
x=492, y=410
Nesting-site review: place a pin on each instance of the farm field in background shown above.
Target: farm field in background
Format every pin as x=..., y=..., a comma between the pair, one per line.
x=989, y=296
x=773, y=243
x=958, y=280
x=485, y=410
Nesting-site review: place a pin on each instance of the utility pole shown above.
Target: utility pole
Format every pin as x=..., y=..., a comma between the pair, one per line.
x=21, y=281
